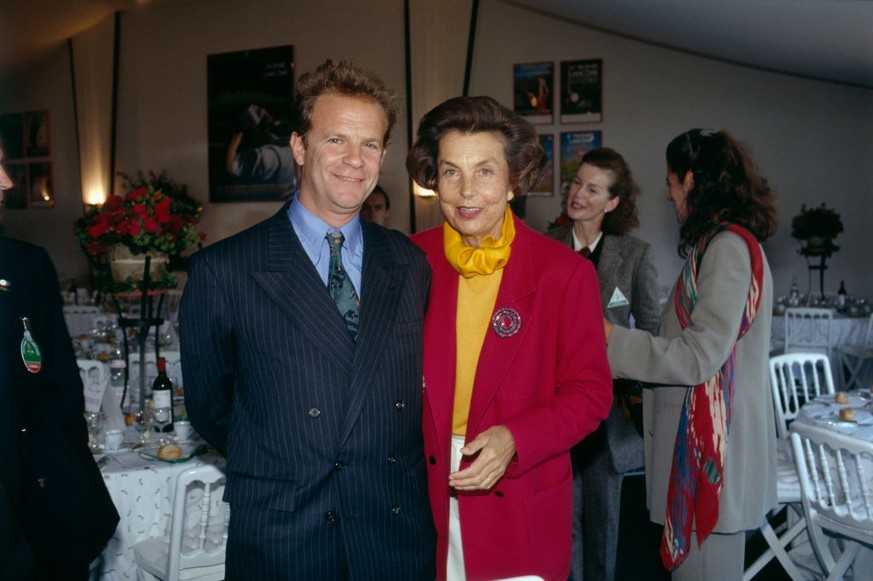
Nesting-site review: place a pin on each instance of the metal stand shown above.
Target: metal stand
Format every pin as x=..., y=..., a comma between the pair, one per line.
x=147, y=319
x=821, y=267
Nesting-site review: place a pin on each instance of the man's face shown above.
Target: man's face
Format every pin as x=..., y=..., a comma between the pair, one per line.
x=341, y=157
x=375, y=208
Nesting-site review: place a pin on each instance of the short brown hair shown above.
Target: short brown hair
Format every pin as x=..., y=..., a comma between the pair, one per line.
x=347, y=79
x=521, y=144
x=624, y=218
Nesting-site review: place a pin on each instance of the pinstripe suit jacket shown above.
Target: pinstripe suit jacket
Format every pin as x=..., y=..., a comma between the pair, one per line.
x=323, y=440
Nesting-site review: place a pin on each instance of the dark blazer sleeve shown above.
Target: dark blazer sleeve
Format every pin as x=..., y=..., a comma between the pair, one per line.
x=207, y=352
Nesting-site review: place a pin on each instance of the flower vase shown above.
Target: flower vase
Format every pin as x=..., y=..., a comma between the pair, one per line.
x=125, y=265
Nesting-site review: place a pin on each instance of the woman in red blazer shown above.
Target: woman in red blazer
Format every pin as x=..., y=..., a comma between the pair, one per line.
x=515, y=371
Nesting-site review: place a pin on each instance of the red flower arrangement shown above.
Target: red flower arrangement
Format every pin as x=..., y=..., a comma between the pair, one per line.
x=144, y=220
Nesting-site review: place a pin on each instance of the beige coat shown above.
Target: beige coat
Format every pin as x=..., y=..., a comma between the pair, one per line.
x=692, y=356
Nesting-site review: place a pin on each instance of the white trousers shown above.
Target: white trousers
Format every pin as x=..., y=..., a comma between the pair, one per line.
x=455, y=562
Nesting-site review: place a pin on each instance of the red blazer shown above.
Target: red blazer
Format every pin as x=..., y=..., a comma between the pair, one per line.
x=548, y=381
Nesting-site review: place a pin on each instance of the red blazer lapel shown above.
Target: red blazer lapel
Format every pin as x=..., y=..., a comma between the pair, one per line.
x=498, y=350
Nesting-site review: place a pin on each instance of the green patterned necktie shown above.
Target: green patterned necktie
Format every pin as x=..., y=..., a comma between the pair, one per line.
x=340, y=284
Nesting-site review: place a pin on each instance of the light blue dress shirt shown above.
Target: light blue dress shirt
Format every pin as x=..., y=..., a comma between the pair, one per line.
x=311, y=230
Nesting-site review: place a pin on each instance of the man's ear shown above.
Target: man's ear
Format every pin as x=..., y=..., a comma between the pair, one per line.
x=298, y=148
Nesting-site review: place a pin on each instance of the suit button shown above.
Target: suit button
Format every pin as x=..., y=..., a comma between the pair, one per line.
x=399, y=405
x=392, y=460
x=432, y=460
x=314, y=412
x=339, y=466
x=330, y=516
x=395, y=509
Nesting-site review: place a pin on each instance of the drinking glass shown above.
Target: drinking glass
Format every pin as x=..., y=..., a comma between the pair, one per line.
x=142, y=421
x=94, y=421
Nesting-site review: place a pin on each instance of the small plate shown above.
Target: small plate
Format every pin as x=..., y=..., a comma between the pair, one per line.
x=854, y=399
x=188, y=451
x=862, y=418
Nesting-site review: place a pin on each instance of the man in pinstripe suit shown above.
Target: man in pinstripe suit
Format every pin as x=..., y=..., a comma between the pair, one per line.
x=320, y=423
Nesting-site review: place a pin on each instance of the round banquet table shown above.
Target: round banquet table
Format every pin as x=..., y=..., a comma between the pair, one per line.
x=824, y=412
x=142, y=490
x=844, y=331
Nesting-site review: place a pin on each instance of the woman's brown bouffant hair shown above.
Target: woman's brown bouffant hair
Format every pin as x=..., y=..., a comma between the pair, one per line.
x=727, y=186
x=521, y=144
x=624, y=218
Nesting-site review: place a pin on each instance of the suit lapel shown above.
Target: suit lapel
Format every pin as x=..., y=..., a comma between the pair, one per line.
x=291, y=281
x=516, y=285
x=607, y=267
x=440, y=340
x=383, y=281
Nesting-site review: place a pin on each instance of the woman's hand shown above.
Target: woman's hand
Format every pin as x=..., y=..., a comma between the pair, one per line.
x=495, y=448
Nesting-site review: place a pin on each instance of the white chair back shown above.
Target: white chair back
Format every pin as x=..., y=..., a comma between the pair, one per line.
x=853, y=357
x=80, y=318
x=808, y=329
x=796, y=378
x=195, y=548
x=835, y=473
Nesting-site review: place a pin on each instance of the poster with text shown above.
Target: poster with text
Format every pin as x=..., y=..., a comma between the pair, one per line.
x=250, y=118
x=546, y=187
x=532, y=87
x=574, y=144
x=582, y=91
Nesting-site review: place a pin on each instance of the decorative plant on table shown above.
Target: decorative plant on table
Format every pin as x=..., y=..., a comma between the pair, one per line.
x=816, y=229
x=155, y=218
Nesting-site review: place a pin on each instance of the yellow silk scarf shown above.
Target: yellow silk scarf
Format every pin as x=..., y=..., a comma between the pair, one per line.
x=488, y=258
x=481, y=273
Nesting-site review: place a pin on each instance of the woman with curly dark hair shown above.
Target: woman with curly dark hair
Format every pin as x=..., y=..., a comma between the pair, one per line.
x=602, y=202
x=515, y=368
x=710, y=440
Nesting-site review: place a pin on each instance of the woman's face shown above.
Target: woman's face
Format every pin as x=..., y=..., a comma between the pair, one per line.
x=473, y=184
x=589, y=199
x=677, y=193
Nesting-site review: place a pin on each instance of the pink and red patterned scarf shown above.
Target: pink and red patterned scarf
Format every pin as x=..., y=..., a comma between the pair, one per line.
x=698, y=459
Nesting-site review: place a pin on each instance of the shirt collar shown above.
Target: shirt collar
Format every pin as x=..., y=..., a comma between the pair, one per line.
x=311, y=229
x=577, y=244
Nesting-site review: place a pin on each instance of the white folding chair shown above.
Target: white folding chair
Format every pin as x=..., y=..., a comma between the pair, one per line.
x=195, y=547
x=853, y=357
x=808, y=329
x=796, y=378
x=835, y=473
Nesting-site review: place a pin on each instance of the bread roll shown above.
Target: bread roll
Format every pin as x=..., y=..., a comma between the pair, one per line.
x=841, y=397
x=169, y=452
x=847, y=414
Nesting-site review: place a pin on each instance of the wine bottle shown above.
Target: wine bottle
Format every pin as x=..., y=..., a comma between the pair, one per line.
x=162, y=396
x=842, y=295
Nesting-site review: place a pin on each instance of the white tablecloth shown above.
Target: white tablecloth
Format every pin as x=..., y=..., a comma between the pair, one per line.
x=142, y=491
x=844, y=331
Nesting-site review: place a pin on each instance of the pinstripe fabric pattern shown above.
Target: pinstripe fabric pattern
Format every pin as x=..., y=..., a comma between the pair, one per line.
x=326, y=472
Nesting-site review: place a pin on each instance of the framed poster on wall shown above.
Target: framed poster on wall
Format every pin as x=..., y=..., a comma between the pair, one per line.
x=532, y=90
x=574, y=144
x=546, y=187
x=582, y=91
x=250, y=115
